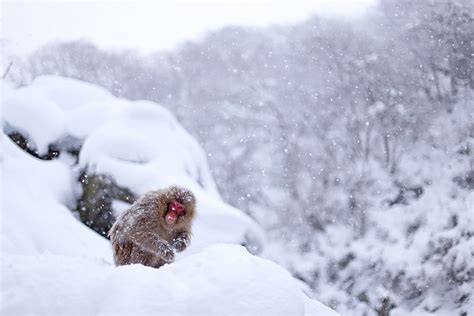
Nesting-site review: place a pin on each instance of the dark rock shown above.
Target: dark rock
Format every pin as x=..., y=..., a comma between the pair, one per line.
x=94, y=206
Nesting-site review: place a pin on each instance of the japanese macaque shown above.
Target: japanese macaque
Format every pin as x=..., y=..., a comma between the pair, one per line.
x=154, y=227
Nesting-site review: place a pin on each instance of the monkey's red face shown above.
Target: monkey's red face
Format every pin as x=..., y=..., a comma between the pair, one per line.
x=175, y=210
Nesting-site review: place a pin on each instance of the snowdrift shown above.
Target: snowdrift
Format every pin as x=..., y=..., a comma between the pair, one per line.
x=221, y=280
x=53, y=264
x=138, y=143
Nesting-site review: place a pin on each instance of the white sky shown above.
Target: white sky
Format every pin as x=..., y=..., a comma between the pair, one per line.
x=149, y=25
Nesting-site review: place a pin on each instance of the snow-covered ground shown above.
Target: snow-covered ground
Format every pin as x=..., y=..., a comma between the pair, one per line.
x=53, y=264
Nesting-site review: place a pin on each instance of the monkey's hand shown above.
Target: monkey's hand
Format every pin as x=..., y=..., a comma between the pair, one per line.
x=181, y=241
x=165, y=251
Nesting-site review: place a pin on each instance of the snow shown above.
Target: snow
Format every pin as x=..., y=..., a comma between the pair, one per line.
x=35, y=218
x=418, y=254
x=221, y=280
x=354, y=152
x=139, y=143
x=41, y=112
x=53, y=264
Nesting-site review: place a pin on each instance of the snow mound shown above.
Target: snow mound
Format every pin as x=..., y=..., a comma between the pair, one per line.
x=221, y=280
x=34, y=216
x=41, y=113
x=53, y=264
x=138, y=143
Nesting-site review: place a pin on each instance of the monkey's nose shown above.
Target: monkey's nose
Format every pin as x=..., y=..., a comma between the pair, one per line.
x=177, y=207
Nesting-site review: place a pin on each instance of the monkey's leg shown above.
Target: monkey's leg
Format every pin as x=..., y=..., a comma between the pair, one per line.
x=153, y=243
x=122, y=253
x=139, y=255
x=181, y=241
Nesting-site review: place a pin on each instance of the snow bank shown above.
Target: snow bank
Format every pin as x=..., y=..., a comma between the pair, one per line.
x=139, y=143
x=53, y=264
x=221, y=280
x=34, y=216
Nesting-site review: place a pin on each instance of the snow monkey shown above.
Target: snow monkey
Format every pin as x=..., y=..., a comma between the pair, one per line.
x=154, y=227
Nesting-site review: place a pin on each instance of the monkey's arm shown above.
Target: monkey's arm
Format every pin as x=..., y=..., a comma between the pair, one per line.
x=154, y=244
x=181, y=241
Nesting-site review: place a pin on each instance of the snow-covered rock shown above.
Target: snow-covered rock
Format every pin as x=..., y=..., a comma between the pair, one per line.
x=139, y=143
x=53, y=264
x=34, y=216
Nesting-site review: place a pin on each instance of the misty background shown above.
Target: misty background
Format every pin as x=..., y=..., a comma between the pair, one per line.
x=349, y=140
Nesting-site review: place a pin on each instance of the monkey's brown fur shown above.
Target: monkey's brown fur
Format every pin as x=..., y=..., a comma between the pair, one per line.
x=141, y=234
